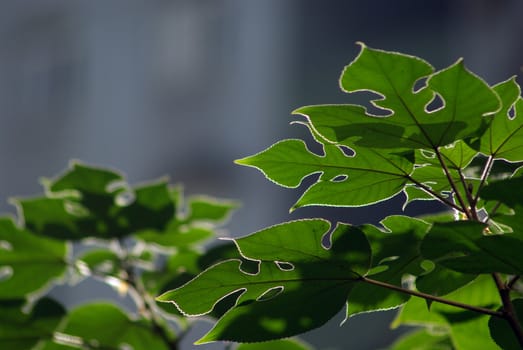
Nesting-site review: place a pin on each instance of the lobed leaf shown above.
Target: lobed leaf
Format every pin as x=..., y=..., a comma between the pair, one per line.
x=408, y=124
x=299, y=284
x=367, y=177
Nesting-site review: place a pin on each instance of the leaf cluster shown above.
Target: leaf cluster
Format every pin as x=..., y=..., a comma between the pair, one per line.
x=90, y=224
x=442, y=135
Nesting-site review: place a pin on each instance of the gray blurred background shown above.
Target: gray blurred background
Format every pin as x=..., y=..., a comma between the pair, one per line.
x=184, y=87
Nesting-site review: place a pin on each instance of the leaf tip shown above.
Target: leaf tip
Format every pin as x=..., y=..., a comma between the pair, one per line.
x=242, y=161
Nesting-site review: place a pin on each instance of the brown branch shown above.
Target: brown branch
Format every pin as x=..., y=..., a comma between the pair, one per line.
x=433, y=297
x=509, y=313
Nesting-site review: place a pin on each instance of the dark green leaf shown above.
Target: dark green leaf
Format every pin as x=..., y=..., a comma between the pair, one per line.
x=441, y=281
x=462, y=246
x=23, y=331
x=508, y=191
x=28, y=262
x=91, y=202
x=299, y=285
x=395, y=250
x=107, y=327
x=501, y=331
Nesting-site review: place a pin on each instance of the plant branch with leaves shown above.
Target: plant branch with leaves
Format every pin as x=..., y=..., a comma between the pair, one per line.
x=451, y=273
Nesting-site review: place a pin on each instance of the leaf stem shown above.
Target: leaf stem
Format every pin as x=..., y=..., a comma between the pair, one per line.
x=433, y=297
x=513, y=281
x=509, y=313
x=484, y=175
x=470, y=198
x=148, y=308
x=460, y=200
x=434, y=194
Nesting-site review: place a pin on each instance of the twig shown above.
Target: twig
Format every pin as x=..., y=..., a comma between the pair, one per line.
x=509, y=313
x=433, y=297
x=460, y=200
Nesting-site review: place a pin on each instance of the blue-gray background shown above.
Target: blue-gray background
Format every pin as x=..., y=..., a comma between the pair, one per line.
x=184, y=87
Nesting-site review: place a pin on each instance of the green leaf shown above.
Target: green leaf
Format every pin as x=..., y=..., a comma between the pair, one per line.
x=457, y=156
x=105, y=326
x=501, y=331
x=408, y=124
x=441, y=281
x=176, y=235
x=299, y=286
x=368, y=177
x=23, y=331
x=27, y=262
x=394, y=250
x=466, y=329
x=101, y=261
x=207, y=209
x=92, y=202
x=462, y=246
x=504, y=136
x=507, y=191
x=422, y=339
x=283, y=344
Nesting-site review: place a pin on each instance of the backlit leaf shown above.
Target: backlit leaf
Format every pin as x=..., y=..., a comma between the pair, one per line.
x=105, y=326
x=365, y=178
x=395, y=250
x=299, y=286
x=407, y=123
x=504, y=136
x=27, y=262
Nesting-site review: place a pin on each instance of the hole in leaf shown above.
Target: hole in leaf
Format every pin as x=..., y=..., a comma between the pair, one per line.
x=347, y=151
x=427, y=265
x=75, y=209
x=124, y=199
x=435, y=104
x=511, y=113
x=5, y=245
x=284, y=266
x=340, y=178
x=66, y=339
x=270, y=293
x=5, y=273
x=419, y=84
x=388, y=259
x=125, y=346
x=427, y=154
